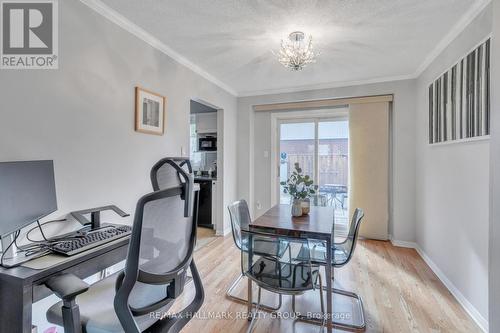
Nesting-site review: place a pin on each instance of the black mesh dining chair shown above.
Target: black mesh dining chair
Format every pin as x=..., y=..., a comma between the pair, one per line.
x=342, y=253
x=289, y=277
x=240, y=219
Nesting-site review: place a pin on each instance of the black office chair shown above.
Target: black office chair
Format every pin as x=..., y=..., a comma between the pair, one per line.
x=342, y=253
x=175, y=171
x=138, y=298
x=169, y=171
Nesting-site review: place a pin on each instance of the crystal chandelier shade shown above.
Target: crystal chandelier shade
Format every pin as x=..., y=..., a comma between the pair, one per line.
x=296, y=52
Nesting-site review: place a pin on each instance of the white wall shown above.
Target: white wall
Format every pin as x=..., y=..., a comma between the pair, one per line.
x=254, y=137
x=452, y=189
x=229, y=170
x=494, y=250
x=82, y=115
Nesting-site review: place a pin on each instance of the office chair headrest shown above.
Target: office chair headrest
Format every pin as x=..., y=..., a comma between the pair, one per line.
x=186, y=179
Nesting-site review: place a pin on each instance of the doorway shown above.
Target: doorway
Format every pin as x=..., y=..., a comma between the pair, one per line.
x=205, y=155
x=320, y=146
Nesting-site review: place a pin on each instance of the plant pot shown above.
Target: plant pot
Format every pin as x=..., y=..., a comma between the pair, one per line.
x=306, y=206
x=297, y=208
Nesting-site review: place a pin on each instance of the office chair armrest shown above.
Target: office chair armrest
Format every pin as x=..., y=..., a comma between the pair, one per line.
x=66, y=286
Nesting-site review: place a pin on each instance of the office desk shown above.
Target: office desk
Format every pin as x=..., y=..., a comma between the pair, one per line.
x=21, y=286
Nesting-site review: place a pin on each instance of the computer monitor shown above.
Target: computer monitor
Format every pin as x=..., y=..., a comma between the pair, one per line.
x=27, y=193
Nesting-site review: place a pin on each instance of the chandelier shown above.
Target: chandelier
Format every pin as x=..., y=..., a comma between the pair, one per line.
x=296, y=52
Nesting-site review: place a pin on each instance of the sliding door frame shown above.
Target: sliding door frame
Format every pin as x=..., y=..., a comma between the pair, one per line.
x=305, y=116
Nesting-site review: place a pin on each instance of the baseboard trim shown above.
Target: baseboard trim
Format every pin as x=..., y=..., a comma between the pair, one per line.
x=225, y=232
x=398, y=243
x=462, y=300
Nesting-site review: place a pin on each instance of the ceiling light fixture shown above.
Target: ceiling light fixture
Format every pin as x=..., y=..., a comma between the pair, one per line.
x=296, y=52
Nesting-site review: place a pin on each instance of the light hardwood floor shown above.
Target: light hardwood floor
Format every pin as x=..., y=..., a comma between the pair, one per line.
x=400, y=293
x=204, y=236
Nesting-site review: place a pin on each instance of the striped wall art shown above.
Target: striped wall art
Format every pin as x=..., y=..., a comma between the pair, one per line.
x=459, y=100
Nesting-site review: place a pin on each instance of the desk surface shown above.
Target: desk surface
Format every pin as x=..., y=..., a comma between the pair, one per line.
x=59, y=262
x=279, y=220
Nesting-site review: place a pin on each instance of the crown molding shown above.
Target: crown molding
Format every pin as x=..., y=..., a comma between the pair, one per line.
x=330, y=85
x=457, y=29
x=115, y=17
x=140, y=33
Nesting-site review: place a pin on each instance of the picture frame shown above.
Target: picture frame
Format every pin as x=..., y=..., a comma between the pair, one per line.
x=459, y=99
x=149, y=112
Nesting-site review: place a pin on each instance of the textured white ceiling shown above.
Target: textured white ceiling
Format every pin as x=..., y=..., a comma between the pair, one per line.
x=359, y=40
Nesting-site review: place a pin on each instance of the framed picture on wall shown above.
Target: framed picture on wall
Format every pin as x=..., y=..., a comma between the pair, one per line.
x=149, y=112
x=459, y=100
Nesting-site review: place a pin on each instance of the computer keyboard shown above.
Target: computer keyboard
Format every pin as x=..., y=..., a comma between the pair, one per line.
x=91, y=239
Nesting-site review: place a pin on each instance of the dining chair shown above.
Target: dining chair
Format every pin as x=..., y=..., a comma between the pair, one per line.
x=240, y=219
x=342, y=253
x=271, y=273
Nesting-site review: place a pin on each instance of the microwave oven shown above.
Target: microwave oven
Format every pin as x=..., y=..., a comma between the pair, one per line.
x=208, y=143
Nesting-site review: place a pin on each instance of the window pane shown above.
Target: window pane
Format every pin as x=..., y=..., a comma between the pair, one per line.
x=333, y=150
x=296, y=146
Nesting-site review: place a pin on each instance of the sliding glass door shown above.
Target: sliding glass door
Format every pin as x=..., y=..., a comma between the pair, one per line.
x=321, y=147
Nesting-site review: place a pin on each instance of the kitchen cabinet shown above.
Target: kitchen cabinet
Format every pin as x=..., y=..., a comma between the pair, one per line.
x=207, y=204
x=214, y=203
x=206, y=123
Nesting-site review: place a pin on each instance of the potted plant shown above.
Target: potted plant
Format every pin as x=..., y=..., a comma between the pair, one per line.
x=300, y=187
